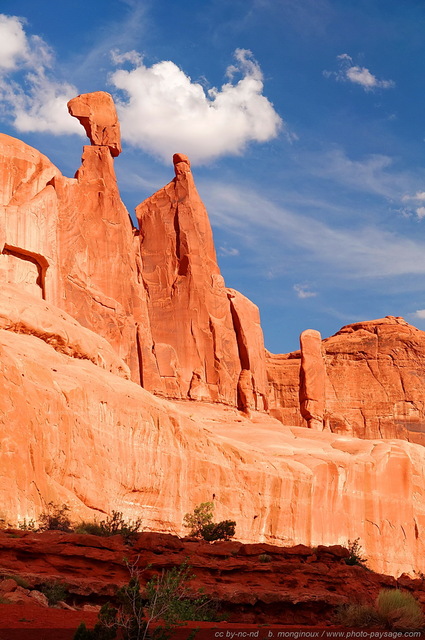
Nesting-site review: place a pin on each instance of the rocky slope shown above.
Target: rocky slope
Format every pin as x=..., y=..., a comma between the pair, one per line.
x=255, y=583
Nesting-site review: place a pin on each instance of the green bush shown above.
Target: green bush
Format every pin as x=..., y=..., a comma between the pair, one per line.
x=113, y=525
x=54, y=591
x=399, y=609
x=201, y=524
x=55, y=518
x=28, y=525
x=355, y=557
x=223, y=530
x=98, y=633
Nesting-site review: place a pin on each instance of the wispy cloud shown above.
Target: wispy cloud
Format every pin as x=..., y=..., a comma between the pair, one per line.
x=374, y=173
x=355, y=252
x=349, y=72
x=163, y=111
x=417, y=199
x=420, y=313
x=228, y=252
x=303, y=291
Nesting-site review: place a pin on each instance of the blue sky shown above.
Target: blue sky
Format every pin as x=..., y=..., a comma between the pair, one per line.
x=304, y=121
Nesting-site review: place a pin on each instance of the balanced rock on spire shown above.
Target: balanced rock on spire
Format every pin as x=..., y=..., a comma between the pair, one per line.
x=96, y=112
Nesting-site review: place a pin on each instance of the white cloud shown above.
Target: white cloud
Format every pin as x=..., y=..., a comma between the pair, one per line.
x=13, y=42
x=38, y=104
x=348, y=72
x=418, y=197
x=420, y=313
x=164, y=112
x=420, y=212
x=303, y=291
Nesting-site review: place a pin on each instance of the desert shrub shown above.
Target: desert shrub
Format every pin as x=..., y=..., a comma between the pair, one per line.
x=201, y=525
x=264, y=557
x=93, y=528
x=223, y=530
x=419, y=574
x=394, y=609
x=113, y=525
x=170, y=599
x=55, y=518
x=54, y=591
x=399, y=609
x=166, y=598
x=28, y=525
x=357, y=615
x=355, y=549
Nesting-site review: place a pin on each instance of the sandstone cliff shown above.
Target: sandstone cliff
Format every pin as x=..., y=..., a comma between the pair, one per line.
x=98, y=319
x=366, y=381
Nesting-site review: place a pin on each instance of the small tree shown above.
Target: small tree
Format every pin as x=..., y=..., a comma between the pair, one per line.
x=167, y=598
x=201, y=516
x=201, y=524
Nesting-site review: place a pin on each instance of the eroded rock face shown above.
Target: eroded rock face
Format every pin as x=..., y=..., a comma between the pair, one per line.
x=71, y=242
x=252, y=384
x=376, y=380
x=72, y=432
x=365, y=381
x=194, y=338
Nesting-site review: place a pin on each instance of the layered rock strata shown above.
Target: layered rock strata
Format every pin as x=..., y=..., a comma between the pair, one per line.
x=255, y=583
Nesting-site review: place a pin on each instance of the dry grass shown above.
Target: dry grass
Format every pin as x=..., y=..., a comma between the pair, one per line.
x=358, y=615
x=399, y=609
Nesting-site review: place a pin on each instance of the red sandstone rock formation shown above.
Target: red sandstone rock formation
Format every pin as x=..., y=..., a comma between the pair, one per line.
x=194, y=338
x=312, y=379
x=297, y=586
x=252, y=384
x=71, y=243
x=366, y=381
x=91, y=301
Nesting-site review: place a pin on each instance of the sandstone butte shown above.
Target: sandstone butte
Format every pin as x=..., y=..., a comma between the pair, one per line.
x=133, y=379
